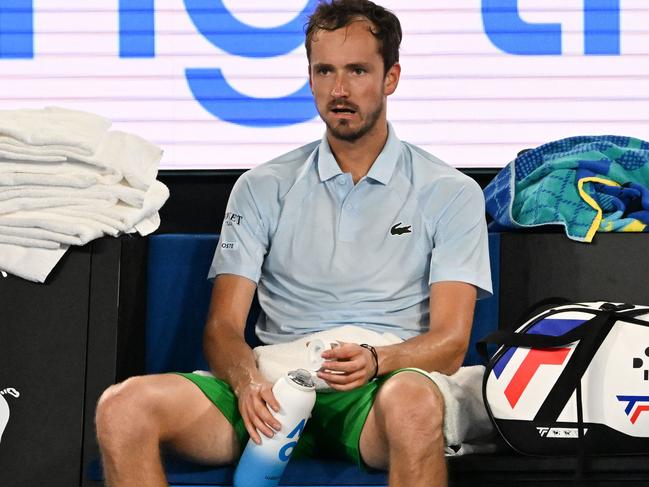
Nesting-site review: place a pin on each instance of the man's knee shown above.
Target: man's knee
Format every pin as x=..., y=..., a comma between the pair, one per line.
x=126, y=411
x=411, y=408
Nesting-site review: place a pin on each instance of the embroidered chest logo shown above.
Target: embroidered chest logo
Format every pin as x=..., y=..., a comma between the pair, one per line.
x=397, y=230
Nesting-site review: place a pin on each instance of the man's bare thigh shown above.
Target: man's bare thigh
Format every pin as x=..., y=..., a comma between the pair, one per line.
x=191, y=425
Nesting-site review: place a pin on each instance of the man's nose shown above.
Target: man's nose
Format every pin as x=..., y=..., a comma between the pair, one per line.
x=339, y=89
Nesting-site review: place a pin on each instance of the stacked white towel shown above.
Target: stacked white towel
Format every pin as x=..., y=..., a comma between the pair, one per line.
x=66, y=179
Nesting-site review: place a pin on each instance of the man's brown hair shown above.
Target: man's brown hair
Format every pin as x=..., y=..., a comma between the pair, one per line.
x=340, y=13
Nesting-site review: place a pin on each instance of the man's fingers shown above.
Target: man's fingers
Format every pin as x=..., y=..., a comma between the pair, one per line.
x=252, y=431
x=268, y=396
x=342, y=378
x=347, y=367
x=264, y=415
x=345, y=351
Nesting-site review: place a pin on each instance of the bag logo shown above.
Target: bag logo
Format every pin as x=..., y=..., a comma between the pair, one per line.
x=636, y=405
x=529, y=366
x=4, y=408
x=560, y=433
x=638, y=363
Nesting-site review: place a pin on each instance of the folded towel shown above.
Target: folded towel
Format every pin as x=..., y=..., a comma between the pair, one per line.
x=63, y=180
x=99, y=175
x=30, y=263
x=37, y=237
x=118, y=154
x=66, y=180
x=10, y=153
x=77, y=131
x=274, y=361
x=129, y=216
x=586, y=184
x=22, y=204
x=130, y=196
x=136, y=158
x=28, y=242
x=76, y=226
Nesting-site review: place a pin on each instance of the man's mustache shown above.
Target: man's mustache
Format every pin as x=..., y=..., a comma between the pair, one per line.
x=342, y=105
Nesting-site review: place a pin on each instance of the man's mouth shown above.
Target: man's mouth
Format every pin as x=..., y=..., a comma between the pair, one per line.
x=343, y=110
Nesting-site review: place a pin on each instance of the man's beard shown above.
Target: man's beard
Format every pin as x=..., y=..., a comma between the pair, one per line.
x=354, y=135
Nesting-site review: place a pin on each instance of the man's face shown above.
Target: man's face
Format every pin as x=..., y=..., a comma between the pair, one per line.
x=348, y=82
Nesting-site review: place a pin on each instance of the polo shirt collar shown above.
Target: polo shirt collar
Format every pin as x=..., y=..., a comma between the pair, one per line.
x=381, y=170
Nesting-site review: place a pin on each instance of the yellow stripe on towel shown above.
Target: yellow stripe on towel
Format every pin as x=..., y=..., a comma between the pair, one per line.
x=588, y=199
x=635, y=226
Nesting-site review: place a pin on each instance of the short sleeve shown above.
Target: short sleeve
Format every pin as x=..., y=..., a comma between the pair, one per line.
x=460, y=242
x=243, y=241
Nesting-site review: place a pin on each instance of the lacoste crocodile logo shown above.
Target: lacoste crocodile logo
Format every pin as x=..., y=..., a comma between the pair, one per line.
x=396, y=230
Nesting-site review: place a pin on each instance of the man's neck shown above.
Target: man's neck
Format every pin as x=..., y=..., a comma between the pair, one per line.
x=358, y=156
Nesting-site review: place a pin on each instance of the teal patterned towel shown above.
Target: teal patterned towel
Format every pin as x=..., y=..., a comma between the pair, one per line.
x=587, y=184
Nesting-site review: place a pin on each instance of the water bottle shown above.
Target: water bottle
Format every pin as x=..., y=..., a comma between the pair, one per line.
x=262, y=465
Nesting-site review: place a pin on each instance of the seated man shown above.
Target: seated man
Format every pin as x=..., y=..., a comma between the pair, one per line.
x=358, y=228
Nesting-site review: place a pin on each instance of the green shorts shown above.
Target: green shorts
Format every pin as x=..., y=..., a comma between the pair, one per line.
x=334, y=429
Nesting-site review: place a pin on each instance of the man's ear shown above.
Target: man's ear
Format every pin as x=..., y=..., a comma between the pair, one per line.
x=310, y=80
x=392, y=79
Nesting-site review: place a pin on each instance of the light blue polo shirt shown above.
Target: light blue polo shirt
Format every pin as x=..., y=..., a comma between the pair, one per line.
x=325, y=252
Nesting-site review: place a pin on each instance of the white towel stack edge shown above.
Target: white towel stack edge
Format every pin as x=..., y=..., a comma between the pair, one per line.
x=66, y=179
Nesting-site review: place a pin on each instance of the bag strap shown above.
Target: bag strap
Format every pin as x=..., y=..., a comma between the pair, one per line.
x=597, y=329
x=507, y=338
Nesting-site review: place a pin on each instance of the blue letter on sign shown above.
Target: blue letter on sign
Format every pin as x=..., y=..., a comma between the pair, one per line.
x=509, y=32
x=16, y=29
x=136, y=28
x=224, y=31
x=216, y=95
x=602, y=27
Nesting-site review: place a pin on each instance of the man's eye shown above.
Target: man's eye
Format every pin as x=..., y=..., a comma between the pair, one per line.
x=359, y=71
x=323, y=70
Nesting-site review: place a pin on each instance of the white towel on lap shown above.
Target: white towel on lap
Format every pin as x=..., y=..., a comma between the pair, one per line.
x=467, y=427
x=274, y=361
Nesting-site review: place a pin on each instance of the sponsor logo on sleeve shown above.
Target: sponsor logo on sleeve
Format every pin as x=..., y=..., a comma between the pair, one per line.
x=229, y=246
x=232, y=219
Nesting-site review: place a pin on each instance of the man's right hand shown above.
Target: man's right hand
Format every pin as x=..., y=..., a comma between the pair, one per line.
x=255, y=399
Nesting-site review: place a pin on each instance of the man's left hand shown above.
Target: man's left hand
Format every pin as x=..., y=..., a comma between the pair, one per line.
x=347, y=366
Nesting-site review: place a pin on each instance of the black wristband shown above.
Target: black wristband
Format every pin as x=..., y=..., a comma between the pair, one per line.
x=376, y=359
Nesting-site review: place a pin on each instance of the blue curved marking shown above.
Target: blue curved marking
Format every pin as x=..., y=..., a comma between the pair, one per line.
x=217, y=96
x=602, y=27
x=16, y=29
x=508, y=32
x=216, y=23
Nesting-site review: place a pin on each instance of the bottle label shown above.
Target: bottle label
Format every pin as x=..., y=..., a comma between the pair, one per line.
x=286, y=450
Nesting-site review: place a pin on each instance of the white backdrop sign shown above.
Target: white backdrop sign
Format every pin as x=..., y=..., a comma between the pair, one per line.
x=223, y=83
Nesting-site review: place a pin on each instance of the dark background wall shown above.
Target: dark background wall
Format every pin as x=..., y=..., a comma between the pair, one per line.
x=198, y=198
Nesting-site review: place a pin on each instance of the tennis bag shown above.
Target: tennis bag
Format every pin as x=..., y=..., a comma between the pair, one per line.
x=572, y=379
